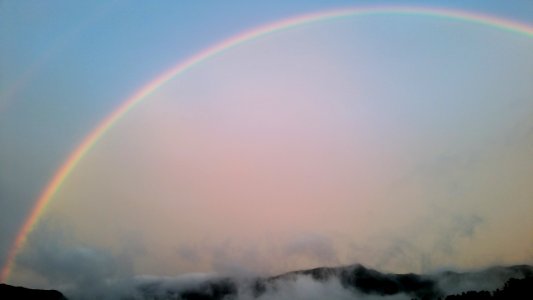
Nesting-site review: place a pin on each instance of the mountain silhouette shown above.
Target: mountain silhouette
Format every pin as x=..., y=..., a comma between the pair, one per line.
x=15, y=292
x=513, y=282
x=364, y=281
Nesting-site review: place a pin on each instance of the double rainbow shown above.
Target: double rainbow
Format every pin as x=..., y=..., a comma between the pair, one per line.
x=94, y=136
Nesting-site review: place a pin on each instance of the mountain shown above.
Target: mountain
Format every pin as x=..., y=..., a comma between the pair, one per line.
x=15, y=292
x=368, y=281
x=358, y=282
x=346, y=282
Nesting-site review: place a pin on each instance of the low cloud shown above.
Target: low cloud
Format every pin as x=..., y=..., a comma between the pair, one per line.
x=82, y=272
x=350, y=282
x=57, y=260
x=460, y=227
x=314, y=246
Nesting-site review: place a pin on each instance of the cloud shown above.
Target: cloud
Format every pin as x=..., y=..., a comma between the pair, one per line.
x=82, y=272
x=489, y=279
x=209, y=286
x=429, y=243
x=315, y=246
x=460, y=226
x=243, y=257
x=350, y=282
x=55, y=257
x=88, y=273
x=306, y=287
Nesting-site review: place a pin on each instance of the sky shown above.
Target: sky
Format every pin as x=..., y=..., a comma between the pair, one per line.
x=399, y=141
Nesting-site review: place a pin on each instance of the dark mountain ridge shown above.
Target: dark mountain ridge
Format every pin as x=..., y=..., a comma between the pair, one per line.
x=364, y=281
x=513, y=282
x=16, y=292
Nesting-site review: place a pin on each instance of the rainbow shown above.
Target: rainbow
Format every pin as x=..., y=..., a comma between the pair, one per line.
x=97, y=133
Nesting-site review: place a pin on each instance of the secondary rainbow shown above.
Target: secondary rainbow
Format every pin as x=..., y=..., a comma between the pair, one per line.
x=90, y=140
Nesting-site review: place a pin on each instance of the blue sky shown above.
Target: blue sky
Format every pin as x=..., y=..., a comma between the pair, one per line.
x=65, y=65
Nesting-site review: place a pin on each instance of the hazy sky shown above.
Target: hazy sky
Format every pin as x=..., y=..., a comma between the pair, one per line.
x=403, y=142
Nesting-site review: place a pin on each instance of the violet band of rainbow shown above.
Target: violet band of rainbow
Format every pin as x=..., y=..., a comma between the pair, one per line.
x=97, y=133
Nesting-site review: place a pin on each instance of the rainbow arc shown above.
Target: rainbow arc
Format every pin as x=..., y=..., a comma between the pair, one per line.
x=67, y=167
